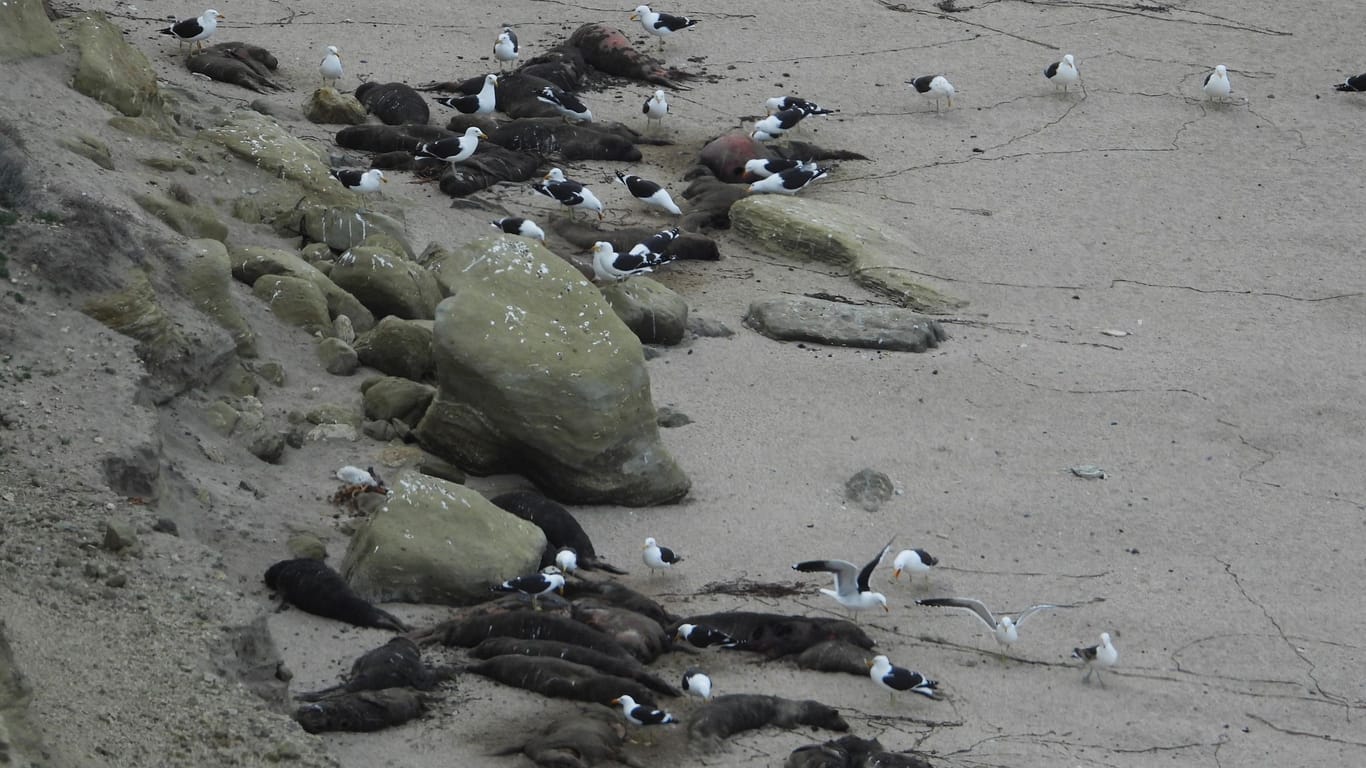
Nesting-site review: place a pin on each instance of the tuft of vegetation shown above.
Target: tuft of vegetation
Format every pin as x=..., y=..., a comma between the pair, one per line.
x=49, y=217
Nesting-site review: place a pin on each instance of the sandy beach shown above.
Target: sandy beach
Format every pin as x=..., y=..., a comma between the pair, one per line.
x=1164, y=287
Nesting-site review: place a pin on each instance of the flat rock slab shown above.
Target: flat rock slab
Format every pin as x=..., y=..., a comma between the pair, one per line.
x=876, y=257
x=845, y=325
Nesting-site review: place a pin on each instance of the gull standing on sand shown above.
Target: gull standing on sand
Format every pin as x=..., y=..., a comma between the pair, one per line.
x=195, y=30
x=1216, y=84
x=661, y=25
x=1005, y=629
x=649, y=192
x=896, y=679
x=568, y=193
x=696, y=682
x=1063, y=72
x=934, y=87
x=912, y=562
x=1097, y=657
x=791, y=181
x=481, y=103
x=851, y=584
x=505, y=50
x=516, y=225
x=658, y=558
x=642, y=715
x=331, y=66
x=656, y=107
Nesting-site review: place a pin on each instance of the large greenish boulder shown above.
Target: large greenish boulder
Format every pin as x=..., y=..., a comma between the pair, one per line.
x=387, y=283
x=876, y=257
x=206, y=277
x=252, y=262
x=655, y=314
x=437, y=542
x=25, y=30
x=295, y=301
x=264, y=142
x=329, y=106
x=108, y=68
x=799, y=318
x=188, y=220
x=390, y=397
x=398, y=347
x=337, y=357
x=343, y=227
x=537, y=375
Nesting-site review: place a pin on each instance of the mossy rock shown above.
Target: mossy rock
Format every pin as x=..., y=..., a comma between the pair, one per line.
x=108, y=68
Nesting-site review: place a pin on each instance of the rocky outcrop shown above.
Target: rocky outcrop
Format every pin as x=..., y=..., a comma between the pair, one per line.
x=389, y=397
x=250, y=263
x=801, y=228
x=186, y=219
x=386, y=283
x=398, y=347
x=295, y=301
x=206, y=276
x=25, y=31
x=109, y=69
x=844, y=325
x=332, y=107
x=537, y=375
x=262, y=141
x=655, y=314
x=341, y=228
x=438, y=542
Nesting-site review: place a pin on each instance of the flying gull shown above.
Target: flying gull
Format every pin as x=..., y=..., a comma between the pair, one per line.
x=851, y=584
x=1005, y=629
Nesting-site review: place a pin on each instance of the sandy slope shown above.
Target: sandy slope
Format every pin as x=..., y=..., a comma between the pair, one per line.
x=1220, y=551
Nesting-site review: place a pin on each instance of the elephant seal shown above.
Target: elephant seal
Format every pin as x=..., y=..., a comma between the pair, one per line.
x=238, y=63
x=835, y=656
x=560, y=527
x=363, y=711
x=559, y=679
x=313, y=587
x=611, y=665
x=606, y=49
x=396, y=664
x=728, y=715
x=852, y=752
x=579, y=739
x=776, y=635
x=394, y=103
x=642, y=636
x=528, y=625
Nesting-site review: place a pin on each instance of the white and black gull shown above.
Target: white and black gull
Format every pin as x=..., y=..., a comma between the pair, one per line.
x=331, y=66
x=894, y=679
x=453, y=149
x=195, y=30
x=609, y=267
x=777, y=124
x=851, y=584
x=1063, y=73
x=934, y=87
x=517, y=225
x=1004, y=628
x=656, y=245
x=534, y=585
x=702, y=636
x=1353, y=84
x=655, y=108
x=481, y=103
x=661, y=25
x=568, y=192
x=364, y=182
x=697, y=683
x=912, y=562
x=791, y=181
x=638, y=714
x=658, y=558
x=506, y=49
x=1097, y=657
x=566, y=103
x=649, y=192
x=1216, y=85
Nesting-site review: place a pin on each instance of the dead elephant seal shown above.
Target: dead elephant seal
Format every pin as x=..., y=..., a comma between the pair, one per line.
x=528, y=625
x=364, y=711
x=852, y=752
x=612, y=665
x=394, y=103
x=836, y=656
x=728, y=715
x=559, y=679
x=396, y=664
x=313, y=587
x=605, y=48
x=776, y=635
x=238, y=63
x=560, y=527
x=577, y=740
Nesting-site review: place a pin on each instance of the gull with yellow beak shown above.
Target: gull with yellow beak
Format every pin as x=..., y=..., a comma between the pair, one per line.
x=851, y=584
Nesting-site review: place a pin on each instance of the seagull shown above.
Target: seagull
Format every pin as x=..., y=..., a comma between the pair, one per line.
x=642, y=715
x=357, y=181
x=1352, y=84
x=331, y=67
x=609, y=267
x=656, y=107
x=934, y=87
x=661, y=25
x=899, y=679
x=699, y=636
x=913, y=561
x=567, y=560
x=780, y=103
x=657, y=557
x=762, y=168
x=568, y=193
x=777, y=124
x=655, y=245
x=534, y=585
x=357, y=476
x=453, y=149
x=195, y=30
x=1063, y=72
x=1004, y=628
x=696, y=682
x=791, y=181
x=1097, y=657
x=566, y=103
x=1216, y=84
x=481, y=103
x=649, y=192
x=516, y=225
x=851, y=585
x=505, y=50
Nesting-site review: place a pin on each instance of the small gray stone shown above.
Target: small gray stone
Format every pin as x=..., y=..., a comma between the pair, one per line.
x=343, y=329
x=333, y=413
x=166, y=525
x=117, y=580
x=668, y=417
x=706, y=327
x=378, y=430
x=332, y=432
x=271, y=371
x=119, y=534
x=869, y=489
x=338, y=358
x=268, y=447
x=368, y=504
x=221, y=417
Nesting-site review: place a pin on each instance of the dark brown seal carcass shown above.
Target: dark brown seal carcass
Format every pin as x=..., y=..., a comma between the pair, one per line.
x=238, y=63
x=642, y=636
x=529, y=625
x=605, y=48
x=852, y=752
x=776, y=635
x=622, y=597
x=313, y=587
x=394, y=103
x=559, y=679
x=579, y=141
x=579, y=739
x=389, y=138
x=396, y=664
x=560, y=527
x=612, y=665
x=727, y=715
x=363, y=711
x=836, y=656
